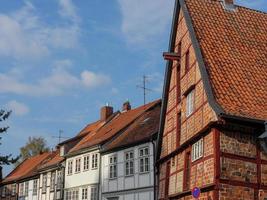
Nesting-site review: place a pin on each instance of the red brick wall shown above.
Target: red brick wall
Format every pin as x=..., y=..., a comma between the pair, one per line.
x=202, y=172
x=236, y=192
x=202, y=115
x=203, y=196
x=243, y=166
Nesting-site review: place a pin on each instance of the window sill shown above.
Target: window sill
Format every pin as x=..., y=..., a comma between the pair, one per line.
x=112, y=179
x=144, y=172
x=128, y=176
x=195, y=160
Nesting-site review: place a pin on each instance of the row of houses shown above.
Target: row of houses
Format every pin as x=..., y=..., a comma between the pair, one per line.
x=209, y=135
x=112, y=158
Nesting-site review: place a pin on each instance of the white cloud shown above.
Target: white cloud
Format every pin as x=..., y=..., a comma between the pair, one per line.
x=144, y=20
x=18, y=108
x=68, y=10
x=24, y=35
x=90, y=79
x=57, y=83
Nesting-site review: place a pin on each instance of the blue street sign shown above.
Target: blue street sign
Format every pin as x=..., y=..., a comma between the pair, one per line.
x=196, y=192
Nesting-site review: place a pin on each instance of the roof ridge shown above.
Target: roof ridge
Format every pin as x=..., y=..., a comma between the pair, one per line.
x=240, y=6
x=251, y=9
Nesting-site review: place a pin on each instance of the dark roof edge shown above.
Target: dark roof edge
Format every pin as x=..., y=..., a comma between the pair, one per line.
x=51, y=167
x=203, y=70
x=243, y=119
x=120, y=132
x=130, y=145
x=167, y=77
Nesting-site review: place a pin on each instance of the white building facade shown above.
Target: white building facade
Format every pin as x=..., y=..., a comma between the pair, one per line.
x=82, y=176
x=28, y=189
x=51, y=185
x=128, y=174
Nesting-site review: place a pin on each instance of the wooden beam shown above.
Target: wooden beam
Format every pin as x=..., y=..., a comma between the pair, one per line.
x=171, y=56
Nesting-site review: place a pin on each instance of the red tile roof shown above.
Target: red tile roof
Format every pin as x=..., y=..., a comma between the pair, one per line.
x=91, y=127
x=234, y=47
x=111, y=128
x=52, y=160
x=142, y=129
x=27, y=168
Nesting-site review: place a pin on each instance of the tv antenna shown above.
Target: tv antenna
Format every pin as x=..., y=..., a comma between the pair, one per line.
x=144, y=87
x=60, y=133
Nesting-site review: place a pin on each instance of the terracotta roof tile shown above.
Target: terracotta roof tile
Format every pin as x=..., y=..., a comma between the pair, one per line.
x=91, y=127
x=234, y=47
x=142, y=129
x=114, y=126
x=53, y=160
x=26, y=168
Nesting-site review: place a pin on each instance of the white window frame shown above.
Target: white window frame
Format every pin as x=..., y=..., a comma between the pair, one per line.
x=86, y=162
x=53, y=181
x=44, y=183
x=144, y=159
x=70, y=167
x=26, y=189
x=190, y=103
x=94, y=161
x=13, y=189
x=4, y=191
x=68, y=195
x=78, y=165
x=59, y=179
x=75, y=195
x=21, y=189
x=129, y=163
x=84, y=193
x=94, y=193
x=35, y=187
x=113, y=166
x=197, y=150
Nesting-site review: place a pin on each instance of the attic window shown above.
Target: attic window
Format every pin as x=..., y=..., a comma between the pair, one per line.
x=190, y=103
x=187, y=56
x=228, y=5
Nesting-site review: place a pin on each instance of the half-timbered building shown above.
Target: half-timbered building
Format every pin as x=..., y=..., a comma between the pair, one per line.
x=214, y=103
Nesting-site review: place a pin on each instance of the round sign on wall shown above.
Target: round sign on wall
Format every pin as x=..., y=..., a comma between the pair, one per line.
x=196, y=192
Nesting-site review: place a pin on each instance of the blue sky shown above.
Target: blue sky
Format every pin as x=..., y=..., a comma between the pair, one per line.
x=61, y=60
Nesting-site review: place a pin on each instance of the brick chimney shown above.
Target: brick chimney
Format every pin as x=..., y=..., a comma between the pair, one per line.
x=106, y=112
x=126, y=106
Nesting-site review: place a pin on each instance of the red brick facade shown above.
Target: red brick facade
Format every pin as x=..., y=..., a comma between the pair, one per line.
x=233, y=166
x=178, y=132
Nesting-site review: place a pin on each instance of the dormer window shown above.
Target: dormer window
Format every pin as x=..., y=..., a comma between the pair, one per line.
x=190, y=103
x=62, y=151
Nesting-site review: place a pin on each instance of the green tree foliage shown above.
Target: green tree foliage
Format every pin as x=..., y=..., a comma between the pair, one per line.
x=34, y=146
x=5, y=159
